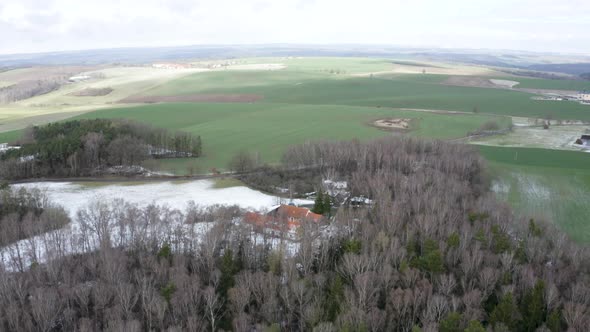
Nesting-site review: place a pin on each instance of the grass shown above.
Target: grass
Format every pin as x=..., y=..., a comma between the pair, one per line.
x=534, y=157
x=94, y=184
x=308, y=81
x=321, y=98
x=544, y=184
x=10, y=136
x=100, y=184
x=269, y=128
x=124, y=81
x=397, y=91
x=227, y=183
x=535, y=83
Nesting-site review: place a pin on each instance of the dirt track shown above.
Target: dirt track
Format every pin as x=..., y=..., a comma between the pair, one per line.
x=194, y=98
x=470, y=81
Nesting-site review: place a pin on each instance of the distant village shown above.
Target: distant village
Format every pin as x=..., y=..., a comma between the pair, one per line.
x=583, y=97
x=175, y=65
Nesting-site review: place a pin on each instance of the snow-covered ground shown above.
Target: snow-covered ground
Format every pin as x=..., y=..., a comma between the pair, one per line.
x=560, y=137
x=73, y=196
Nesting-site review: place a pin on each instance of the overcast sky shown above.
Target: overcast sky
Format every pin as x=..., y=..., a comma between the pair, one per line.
x=58, y=25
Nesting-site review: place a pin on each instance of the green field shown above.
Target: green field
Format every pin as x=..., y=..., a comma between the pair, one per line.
x=544, y=184
x=336, y=98
x=268, y=128
x=534, y=83
x=398, y=91
x=10, y=136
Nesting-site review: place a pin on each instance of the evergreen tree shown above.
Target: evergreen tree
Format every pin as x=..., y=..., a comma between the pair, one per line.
x=318, y=206
x=451, y=324
x=475, y=326
x=228, y=270
x=533, y=307
x=554, y=321
x=327, y=205
x=453, y=241
x=431, y=259
x=165, y=252
x=334, y=298
x=352, y=246
x=506, y=312
x=534, y=229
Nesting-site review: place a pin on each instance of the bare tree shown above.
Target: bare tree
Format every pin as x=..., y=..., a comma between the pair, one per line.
x=213, y=307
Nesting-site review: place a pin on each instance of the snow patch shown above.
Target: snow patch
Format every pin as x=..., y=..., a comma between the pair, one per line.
x=500, y=187
x=73, y=196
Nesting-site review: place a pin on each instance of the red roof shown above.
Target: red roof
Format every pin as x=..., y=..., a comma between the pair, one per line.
x=292, y=216
x=295, y=213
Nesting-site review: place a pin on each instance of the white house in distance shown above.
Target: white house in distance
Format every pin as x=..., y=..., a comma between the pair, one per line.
x=79, y=78
x=584, y=97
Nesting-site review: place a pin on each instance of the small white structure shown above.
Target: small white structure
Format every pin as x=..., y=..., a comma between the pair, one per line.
x=79, y=78
x=5, y=147
x=584, y=96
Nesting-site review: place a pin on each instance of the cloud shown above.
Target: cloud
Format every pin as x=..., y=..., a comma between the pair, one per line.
x=541, y=25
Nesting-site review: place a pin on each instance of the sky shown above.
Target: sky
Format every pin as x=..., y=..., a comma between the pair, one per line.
x=560, y=26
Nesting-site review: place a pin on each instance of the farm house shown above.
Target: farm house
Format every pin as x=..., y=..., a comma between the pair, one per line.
x=282, y=218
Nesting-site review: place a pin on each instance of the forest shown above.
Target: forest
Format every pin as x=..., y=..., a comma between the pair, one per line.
x=27, y=213
x=29, y=88
x=435, y=251
x=86, y=147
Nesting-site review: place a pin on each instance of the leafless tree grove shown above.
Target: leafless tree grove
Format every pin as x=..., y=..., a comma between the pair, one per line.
x=433, y=252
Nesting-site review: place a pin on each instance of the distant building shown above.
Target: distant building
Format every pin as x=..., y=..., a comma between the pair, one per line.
x=79, y=78
x=5, y=147
x=584, y=141
x=282, y=218
x=584, y=96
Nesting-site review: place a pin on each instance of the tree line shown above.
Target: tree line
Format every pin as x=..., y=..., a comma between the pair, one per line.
x=29, y=88
x=27, y=213
x=434, y=252
x=85, y=147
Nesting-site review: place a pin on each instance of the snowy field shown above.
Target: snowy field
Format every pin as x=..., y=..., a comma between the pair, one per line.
x=73, y=196
x=561, y=137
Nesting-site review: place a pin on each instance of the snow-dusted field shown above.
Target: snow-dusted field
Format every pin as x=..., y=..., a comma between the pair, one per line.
x=560, y=137
x=73, y=196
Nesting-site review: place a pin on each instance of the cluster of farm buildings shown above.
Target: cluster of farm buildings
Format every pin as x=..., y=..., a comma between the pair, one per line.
x=176, y=65
x=582, y=96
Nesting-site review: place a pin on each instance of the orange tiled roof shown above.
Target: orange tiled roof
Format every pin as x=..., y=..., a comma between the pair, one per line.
x=291, y=215
x=294, y=212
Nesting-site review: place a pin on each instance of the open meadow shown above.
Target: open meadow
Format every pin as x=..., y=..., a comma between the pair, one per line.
x=263, y=105
x=545, y=184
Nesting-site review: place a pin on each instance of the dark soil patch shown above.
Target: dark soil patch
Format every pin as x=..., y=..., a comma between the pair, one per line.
x=470, y=81
x=195, y=98
x=92, y=92
x=414, y=64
